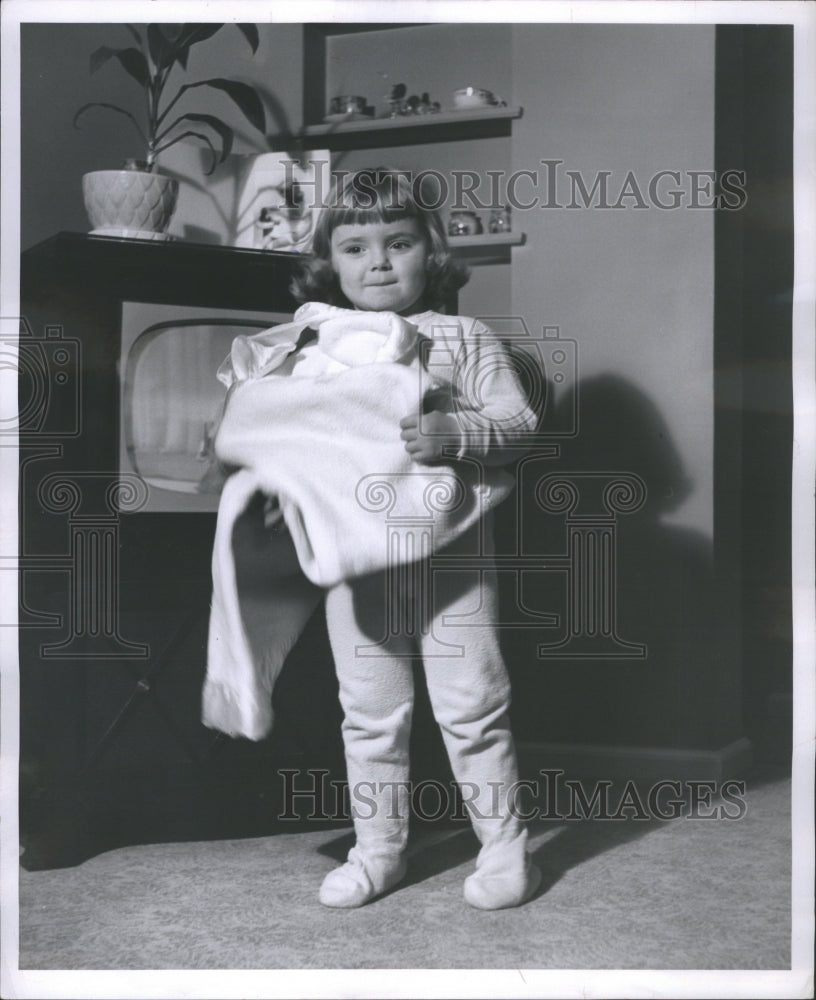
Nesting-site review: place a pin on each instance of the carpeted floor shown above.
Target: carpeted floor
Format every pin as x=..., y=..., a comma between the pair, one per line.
x=634, y=894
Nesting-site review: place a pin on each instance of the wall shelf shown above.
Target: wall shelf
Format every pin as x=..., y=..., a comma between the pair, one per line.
x=445, y=126
x=486, y=248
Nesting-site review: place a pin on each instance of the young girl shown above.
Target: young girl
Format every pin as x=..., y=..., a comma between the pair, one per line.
x=378, y=248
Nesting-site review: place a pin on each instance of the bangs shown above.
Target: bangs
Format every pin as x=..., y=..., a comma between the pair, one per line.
x=381, y=210
x=378, y=195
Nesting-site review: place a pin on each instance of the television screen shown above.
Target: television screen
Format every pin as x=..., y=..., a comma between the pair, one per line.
x=171, y=400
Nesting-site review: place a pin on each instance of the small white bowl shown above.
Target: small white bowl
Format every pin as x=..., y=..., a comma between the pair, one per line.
x=473, y=97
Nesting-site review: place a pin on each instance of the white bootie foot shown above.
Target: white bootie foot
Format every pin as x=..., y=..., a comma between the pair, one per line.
x=500, y=890
x=505, y=875
x=362, y=878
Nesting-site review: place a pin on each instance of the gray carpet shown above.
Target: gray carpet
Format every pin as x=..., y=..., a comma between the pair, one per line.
x=682, y=894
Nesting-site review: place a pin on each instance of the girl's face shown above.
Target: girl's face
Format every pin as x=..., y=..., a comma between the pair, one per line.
x=381, y=265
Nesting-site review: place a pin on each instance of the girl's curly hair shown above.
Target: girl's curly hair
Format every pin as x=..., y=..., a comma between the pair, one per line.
x=379, y=194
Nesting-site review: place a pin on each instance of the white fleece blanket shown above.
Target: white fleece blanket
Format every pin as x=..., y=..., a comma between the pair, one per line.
x=319, y=431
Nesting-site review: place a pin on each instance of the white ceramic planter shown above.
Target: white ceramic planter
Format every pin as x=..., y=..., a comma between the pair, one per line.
x=129, y=202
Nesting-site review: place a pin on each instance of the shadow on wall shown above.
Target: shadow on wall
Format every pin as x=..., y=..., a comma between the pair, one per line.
x=631, y=657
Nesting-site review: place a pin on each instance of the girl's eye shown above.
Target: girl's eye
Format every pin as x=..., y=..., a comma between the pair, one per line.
x=401, y=245
x=352, y=249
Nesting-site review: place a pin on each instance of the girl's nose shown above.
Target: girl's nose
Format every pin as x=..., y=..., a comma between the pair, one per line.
x=379, y=259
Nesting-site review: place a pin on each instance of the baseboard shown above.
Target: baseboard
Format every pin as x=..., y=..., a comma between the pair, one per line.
x=638, y=763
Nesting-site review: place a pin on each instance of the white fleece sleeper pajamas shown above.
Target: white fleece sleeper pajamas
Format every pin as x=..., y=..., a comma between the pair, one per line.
x=469, y=689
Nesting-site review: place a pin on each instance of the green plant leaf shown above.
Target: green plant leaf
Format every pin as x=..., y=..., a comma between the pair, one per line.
x=136, y=36
x=250, y=32
x=244, y=97
x=193, y=135
x=110, y=107
x=190, y=35
x=225, y=133
x=132, y=60
x=160, y=47
x=172, y=31
x=201, y=32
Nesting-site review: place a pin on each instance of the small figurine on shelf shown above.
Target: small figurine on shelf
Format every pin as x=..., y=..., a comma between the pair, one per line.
x=463, y=223
x=286, y=226
x=500, y=221
x=401, y=106
x=397, y=100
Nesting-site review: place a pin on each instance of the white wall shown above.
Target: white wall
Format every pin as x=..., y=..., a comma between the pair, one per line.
x=634, y=287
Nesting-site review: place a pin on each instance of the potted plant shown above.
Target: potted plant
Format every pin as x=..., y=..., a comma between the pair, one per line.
x=138, y=200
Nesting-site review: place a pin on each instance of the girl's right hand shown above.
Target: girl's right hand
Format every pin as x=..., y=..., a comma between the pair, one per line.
x=439, y=434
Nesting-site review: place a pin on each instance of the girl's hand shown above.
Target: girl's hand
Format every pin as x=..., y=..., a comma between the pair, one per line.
x=439, y=430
